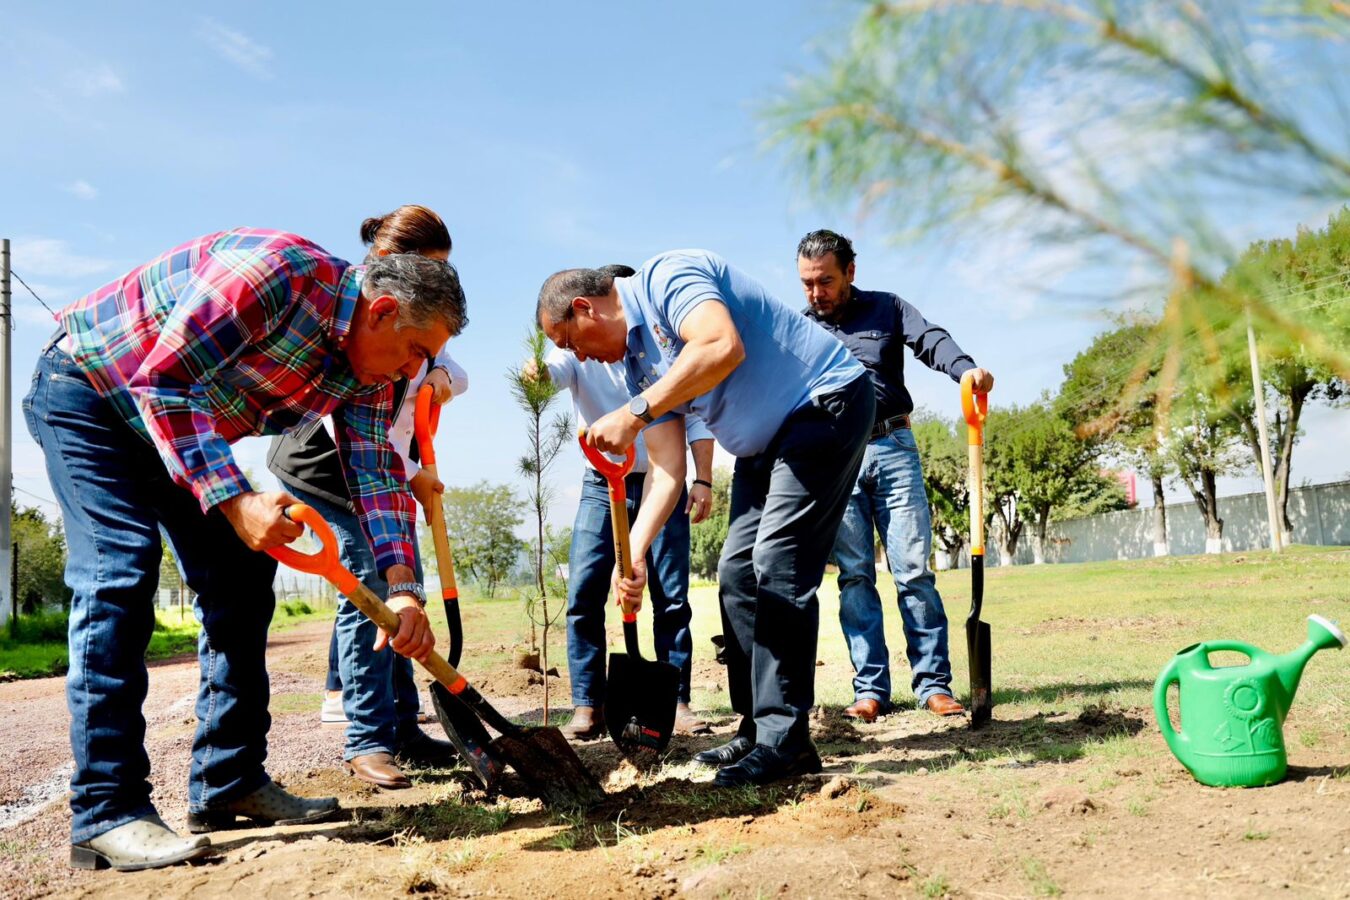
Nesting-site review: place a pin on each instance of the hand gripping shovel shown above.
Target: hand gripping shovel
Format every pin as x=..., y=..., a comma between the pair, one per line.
x=975, y=405
x=460, y=722
x=542, y=756
x=426, y=419
x=640, y=694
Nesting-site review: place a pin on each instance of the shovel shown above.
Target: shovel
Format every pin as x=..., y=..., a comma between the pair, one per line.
x=640, y=694
x=975, y=406
x=542, y=756
x=461, y=725
x=426, y=419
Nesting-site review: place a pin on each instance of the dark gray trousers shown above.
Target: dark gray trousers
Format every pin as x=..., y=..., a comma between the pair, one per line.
x=786, y=506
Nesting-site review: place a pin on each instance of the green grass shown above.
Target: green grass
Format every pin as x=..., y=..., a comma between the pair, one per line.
x=40, y=648
x=1070, y=637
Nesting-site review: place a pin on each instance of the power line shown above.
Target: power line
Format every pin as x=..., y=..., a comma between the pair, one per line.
x=37, y=496
x=33, y=292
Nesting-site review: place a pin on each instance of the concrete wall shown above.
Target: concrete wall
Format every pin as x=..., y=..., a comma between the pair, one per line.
x=1320, y=515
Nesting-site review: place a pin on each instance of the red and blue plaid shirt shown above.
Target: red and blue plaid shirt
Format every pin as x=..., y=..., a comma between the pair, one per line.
x=234, y=334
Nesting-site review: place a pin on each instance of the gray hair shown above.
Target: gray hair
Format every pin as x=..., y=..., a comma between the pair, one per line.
x=555, y=297
x=427, y=291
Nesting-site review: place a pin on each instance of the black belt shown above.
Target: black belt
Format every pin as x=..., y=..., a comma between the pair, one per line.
x=886, y=426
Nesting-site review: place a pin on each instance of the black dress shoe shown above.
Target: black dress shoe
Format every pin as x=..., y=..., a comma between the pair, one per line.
x=424, y=751
x=764, y=765
x=730, y=752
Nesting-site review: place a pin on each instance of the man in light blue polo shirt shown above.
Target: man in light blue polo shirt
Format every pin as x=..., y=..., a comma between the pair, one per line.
x=788, y=400
x=598, y=388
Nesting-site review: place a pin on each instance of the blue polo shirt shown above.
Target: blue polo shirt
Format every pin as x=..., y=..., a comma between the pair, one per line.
x=788, y=359
x=599, y=388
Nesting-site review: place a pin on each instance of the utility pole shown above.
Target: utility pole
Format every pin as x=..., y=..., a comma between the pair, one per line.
x=1268, y=476
x=8, y=605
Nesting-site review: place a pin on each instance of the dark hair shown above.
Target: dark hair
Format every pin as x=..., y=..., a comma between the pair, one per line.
x=408, y=229
x=426, y=290
x=617, y=270
x=818, y=243
x=555, y=297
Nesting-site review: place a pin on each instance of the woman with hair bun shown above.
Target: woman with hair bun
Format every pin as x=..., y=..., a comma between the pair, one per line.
x=374, y=693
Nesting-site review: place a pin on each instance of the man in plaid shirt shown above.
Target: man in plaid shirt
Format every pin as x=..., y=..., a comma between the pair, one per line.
x=135, y=403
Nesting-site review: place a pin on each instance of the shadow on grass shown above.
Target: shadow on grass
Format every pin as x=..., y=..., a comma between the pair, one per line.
x=1038, y=740
x=1061, y=690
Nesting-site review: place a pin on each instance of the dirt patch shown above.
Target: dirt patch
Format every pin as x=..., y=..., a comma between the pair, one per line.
x=1076, y=800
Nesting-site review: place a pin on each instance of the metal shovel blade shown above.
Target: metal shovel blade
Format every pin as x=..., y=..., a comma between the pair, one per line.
x=640, y=706
x=469, y=737
x=978, y=644
x=550, y=767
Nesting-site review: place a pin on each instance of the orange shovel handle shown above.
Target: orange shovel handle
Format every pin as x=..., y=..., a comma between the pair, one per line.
x=426, y=419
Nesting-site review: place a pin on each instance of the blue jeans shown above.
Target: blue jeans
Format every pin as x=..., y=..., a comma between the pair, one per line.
x=115, y=496
x=786, y=503
x=890, y=495
x=590, y=564
x=379, y=694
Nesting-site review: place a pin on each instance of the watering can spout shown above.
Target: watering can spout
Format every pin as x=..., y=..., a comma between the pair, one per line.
x=1322, y=635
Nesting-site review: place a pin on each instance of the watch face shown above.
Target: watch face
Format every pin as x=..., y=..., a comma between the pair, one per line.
x=638, y=407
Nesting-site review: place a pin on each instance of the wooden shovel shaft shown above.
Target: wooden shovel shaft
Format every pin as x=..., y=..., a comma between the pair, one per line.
x=445, y=562
x=623, y=549
x=976, y=499
x=379, y=612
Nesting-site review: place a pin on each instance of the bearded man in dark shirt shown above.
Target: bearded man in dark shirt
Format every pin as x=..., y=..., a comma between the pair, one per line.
x=889, y=494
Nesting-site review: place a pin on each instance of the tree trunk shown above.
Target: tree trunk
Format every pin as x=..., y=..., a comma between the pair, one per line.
x=1007, y=533
x=1038, y=545
x=1207, y=499
x=1285, y=457
x=1159, y=515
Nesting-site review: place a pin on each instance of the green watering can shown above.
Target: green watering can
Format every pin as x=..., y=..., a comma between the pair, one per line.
x=1232, y=717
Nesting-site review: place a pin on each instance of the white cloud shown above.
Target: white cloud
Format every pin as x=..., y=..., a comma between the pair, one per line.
x=237, y=48
x=53, y=258
x=95, y=81
x=80, y=189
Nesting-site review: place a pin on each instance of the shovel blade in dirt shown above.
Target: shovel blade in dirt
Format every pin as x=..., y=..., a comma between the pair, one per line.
x=640, y=698
x=979, y=646
x=979, y=650
x=466, y=732
x=640, y=694
x=541, y=756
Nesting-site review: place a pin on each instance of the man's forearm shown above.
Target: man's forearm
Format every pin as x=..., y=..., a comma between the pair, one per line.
x=703, y=459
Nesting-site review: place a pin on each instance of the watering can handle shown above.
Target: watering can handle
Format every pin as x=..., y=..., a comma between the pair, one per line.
x=1252, y=653
x=1168, y=677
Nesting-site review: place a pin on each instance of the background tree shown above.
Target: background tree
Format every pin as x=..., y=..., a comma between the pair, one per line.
x=1055, y=470
x=1108, y=394
x=1308, y=279
x=942, y=448
x=481, y=521
x=1202, y=445
x=1128, y=130
x=1005, y=517
x=41, y=560
x=544, y=441
x=707, y=537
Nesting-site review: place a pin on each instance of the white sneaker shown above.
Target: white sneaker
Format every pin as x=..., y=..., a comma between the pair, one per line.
x=331, y=712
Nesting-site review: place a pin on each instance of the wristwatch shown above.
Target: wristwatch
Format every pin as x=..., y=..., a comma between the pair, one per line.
x=409, y=587
x=639, y=407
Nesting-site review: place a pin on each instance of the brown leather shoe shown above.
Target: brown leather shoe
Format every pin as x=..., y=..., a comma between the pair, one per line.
x=686, y=722
x=587, y=724
x=944, y=705
x=378, y=769
x=865, y=710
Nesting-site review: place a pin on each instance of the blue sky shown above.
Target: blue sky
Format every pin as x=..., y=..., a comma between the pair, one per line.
x=547, y=135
